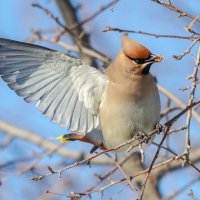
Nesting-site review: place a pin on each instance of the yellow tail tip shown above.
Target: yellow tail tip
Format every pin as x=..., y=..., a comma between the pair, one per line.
x=62, y=139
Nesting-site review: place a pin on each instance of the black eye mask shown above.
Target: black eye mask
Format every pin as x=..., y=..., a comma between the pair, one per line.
x=150, y=59
x=139, y=61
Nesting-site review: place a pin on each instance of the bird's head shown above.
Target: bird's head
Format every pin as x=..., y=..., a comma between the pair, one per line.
x=137, y=58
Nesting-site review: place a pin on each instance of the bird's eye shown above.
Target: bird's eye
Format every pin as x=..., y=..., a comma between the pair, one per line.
x=139, y=61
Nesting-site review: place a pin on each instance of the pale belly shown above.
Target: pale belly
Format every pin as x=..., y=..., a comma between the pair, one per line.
x=120, y=122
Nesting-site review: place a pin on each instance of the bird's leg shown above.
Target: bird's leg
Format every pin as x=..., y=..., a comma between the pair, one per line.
x=74, y=137
x=141, y=153
x=94, y=148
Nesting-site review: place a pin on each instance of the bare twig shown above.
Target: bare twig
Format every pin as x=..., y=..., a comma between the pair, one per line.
x=46, y=144
x=169, y=110
x=154, y=159
x=189, y=27
x=79, y=36
x=102, y=178
x=50, y=14
x=182, y=189
x=194, y=158
x=108, y=28
x=95, y=14
x=170, y=160
x=112, y=183
x=191, y=99
x=191, y=194
x=177, y=130
x=179, y=103
x=126, y=177
x=188, y=87
x=90, y=52
x=167, y=124
x=177, y=10
x=187, y=50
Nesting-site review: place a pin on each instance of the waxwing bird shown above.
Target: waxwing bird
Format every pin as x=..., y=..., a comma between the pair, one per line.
x=104, y=109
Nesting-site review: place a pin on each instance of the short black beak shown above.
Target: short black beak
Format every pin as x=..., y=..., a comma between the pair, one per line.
x=153, y=58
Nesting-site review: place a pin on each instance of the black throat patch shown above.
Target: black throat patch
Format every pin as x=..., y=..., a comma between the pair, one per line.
x=145, y=71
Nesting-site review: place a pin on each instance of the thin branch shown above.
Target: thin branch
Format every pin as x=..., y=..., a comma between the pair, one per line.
x=182, y=189
x=79, y=36
x=191, y=100
x=95, y=14
x=46, y=144
x=188, y=87
x=170, y=160
x=177, y=130
x=175, y=118
x=154, y=159
x=179, y=103
x=177, y=10
x=168, y=124
x=90, y=52
x=126, y=177
x=56, y=19
x=191, y=194
x=83, y=43
x=187, y=50
x=195, y=156
x=108, y=28
x=102, y=178
x=169, y=110
x=189, y=27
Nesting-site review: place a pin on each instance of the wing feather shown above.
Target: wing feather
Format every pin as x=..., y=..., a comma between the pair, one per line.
x=62, y=107
x=67, y=90
x=42, y=91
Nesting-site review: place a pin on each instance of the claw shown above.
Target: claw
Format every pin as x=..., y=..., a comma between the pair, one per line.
x=143, y=136
x=160, y=127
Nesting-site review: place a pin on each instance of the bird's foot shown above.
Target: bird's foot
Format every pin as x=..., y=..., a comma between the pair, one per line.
x=160, y=128
x=142, y=136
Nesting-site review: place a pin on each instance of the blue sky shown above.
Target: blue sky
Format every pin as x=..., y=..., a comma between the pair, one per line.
x=18, y=18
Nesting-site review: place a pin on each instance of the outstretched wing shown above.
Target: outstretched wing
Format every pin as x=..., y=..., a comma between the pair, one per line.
x=67, y=90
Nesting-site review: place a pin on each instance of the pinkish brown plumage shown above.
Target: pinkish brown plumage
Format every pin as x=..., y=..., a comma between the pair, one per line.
x=133, y=49
x=104, y=109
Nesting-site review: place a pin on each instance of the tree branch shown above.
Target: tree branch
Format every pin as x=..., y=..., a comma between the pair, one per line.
x=46, y=144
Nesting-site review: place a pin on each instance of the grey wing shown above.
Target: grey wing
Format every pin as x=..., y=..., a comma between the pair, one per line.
x=67, y=90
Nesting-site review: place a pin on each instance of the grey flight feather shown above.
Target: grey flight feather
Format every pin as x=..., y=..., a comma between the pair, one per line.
x=67, y=90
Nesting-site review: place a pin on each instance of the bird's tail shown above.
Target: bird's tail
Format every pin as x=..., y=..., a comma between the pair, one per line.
x=69, y=137
x=74, y=137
